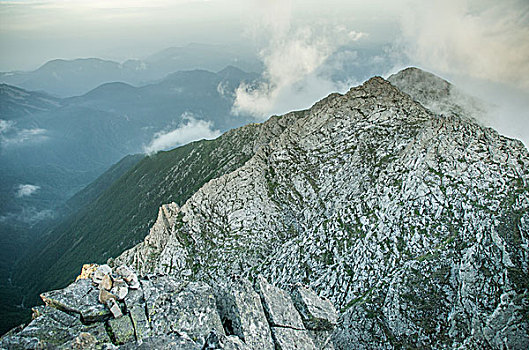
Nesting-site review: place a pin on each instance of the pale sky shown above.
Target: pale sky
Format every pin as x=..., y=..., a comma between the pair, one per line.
x=33, y=32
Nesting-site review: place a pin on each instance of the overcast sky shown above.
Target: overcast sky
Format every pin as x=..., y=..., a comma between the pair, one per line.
x=34, y=31
x=482, y=45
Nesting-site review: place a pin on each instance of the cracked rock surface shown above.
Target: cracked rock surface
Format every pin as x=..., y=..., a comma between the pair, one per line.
x=164, y=313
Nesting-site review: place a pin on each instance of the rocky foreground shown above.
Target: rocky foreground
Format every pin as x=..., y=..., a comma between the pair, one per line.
x=106, y=309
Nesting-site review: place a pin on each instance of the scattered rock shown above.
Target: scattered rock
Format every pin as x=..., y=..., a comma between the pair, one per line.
x=129, y=276
x=120, y=289
x=317, y=313
x=105, y=295
x=125, y=272
x=101, y=272
x=165, y=313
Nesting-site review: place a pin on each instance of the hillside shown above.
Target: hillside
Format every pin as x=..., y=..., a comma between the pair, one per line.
x=56, y=147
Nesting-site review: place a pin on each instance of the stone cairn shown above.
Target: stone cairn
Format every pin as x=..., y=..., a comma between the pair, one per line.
x=113, y=286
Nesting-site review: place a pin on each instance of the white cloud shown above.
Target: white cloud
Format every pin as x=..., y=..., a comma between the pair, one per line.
x=5, y=125
x=11, y=136
x=480, y=46
x=28, y=215
x=190, y=130
x=293, y=58
x=485, y=40
x=26, y=190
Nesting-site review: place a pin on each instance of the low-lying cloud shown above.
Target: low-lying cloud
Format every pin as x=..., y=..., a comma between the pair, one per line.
x=191, y=129
x=27, y=215
x=5, y=125
x=294, y=57
x=485, y=40
x=26, y=190
x=10, y=135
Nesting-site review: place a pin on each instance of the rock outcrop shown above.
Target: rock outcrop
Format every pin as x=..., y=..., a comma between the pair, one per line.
x=163, y=312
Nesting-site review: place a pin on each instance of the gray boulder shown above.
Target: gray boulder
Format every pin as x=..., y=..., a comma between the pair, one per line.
x=317, y=313
x=52, y=329
x=182, y=308
x=241, y=311
x=287, y=326
x=278, y=306
x=80, y=297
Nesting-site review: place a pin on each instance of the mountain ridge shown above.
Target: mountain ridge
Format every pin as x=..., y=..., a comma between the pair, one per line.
x=73, y=77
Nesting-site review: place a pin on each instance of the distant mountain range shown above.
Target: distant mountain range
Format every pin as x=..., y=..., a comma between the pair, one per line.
x=66, y=78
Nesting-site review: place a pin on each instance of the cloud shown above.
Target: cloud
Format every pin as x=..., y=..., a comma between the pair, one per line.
x=5, y=125
x=10, y=135
x=190, y=130
x=28, y=215
x=486, y=40
x=26, y=190
x=480, y=46
x=294, y=58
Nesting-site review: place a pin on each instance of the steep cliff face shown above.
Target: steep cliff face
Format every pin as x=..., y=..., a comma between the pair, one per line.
x=415, y=225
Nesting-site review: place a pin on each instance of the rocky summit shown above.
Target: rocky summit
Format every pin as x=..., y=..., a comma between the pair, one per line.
x=370, y=221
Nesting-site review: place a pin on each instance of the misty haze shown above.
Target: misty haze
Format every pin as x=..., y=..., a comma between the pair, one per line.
x=230, y=174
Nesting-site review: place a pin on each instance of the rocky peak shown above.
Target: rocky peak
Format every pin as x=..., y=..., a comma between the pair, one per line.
x=437, y=94
x=413, y=224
